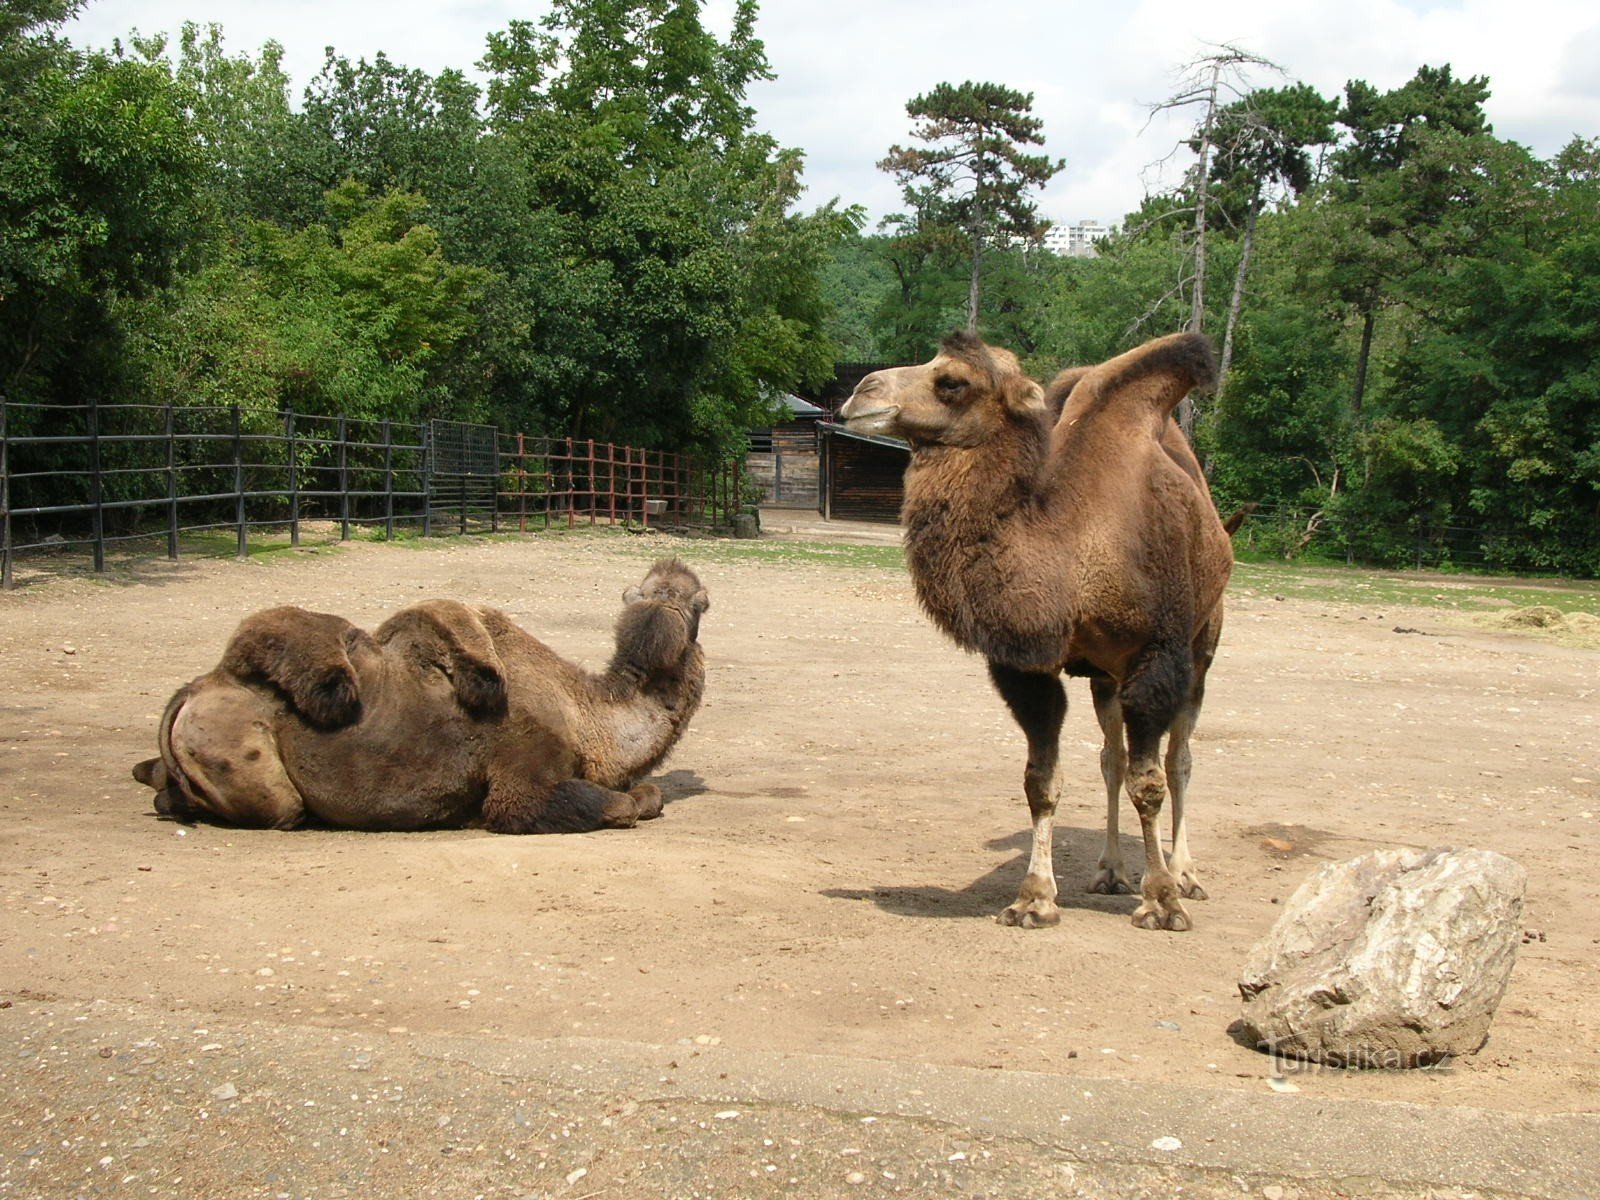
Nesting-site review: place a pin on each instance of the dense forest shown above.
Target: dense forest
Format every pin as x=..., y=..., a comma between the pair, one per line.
x=597, y=240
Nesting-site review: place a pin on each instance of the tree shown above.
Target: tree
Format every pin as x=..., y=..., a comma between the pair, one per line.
x=1262, y=143
x=857, y=282
x=361, y=316
x=255, y=144
x=695, y=291
x=100, y=197
x=1204, y=82
x=973, y=175
x=389, y=126
x=1400, y=177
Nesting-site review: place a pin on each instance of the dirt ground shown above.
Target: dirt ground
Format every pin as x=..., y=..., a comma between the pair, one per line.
x=844, y=821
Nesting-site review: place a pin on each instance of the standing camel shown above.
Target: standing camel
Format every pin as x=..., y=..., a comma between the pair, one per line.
x=1088, y=545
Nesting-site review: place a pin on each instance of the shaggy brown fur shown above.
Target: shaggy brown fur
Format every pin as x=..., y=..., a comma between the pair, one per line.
x=1086, y=544
x=447, y=714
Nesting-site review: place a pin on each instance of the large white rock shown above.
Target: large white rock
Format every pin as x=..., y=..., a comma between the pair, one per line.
x=1394, y=959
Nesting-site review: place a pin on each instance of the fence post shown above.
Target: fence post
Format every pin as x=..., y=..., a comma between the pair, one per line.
x=611, y=483
x=494, y=487
x=461, y=477
x=522, y=483
x=388, y=481
x=6, y=581
x=96, y=489
x=427, y=479
x=549, y=480
x=294, y=480
x=627, y=486
x=170, y=427
x=572, y=495
x=344, y=480
x=238, y=481
x=594, y=494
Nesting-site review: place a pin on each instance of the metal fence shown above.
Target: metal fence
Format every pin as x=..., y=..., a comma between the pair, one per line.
x=75, y=477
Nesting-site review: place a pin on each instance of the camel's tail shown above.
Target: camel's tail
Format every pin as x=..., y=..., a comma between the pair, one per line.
x=1232, y=523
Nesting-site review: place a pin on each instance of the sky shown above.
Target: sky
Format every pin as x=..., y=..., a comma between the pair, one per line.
x=846, y=68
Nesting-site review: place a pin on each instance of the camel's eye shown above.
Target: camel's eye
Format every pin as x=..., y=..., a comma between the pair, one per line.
x=949, y=388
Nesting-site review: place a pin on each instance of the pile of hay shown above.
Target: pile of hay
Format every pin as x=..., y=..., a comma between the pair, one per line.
x=1580, y=627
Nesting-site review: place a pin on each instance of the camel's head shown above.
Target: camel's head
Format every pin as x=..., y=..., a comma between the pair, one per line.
x=662, y=618
x=963, y=397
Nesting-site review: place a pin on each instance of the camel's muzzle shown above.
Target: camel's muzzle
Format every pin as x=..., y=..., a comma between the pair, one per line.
x=868, y=420
x=174, y=805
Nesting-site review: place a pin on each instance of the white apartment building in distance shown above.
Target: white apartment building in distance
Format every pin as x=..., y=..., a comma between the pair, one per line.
x=1075, y=241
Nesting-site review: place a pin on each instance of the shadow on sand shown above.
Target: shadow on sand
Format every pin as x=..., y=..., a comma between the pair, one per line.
x=1076, y=853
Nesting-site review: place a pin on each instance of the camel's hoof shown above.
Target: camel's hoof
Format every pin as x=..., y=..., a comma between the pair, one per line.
x=1031, y=914
x=1153, y=916
x=1110, y=883
x=1191, y=890
x=648, y=797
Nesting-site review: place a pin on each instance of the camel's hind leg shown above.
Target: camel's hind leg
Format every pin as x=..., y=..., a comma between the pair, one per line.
x=1179, y=762
x=571, y=806
x=1039, y=704
x=1111, y=877
x=226, y=753
x=1154, y=694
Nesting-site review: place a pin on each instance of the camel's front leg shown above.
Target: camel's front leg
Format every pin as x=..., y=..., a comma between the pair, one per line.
x=1111, y=877
x=1039, y=704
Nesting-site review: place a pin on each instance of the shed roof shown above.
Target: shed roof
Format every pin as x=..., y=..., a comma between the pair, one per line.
x=836, y=429
x=800, y=407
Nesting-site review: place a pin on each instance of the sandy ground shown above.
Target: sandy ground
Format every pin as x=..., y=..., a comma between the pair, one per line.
x=844, y=821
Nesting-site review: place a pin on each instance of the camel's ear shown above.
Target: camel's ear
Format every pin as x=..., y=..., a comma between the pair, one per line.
x=152, y=772
x=632, y=594
x=1021, y=396
x=700, y=602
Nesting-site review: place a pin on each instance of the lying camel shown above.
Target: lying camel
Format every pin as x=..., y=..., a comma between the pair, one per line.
x=1087, y=545
x=445, y=715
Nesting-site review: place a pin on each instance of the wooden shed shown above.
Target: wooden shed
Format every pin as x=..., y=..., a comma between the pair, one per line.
x=862, y=476
x=782, y=460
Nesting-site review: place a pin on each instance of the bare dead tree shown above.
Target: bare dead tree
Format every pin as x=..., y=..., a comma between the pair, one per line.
x=1208, y=81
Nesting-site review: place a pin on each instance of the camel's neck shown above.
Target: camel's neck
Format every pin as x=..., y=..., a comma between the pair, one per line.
x=974, y=486
x=639, y=716
x=970, y=516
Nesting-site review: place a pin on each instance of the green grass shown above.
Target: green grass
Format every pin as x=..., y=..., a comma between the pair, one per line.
x=1421, y=589
x=765, y=550
x=1335, y=584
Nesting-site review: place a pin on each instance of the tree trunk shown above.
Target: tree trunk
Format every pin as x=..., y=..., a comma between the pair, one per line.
x=1236, y=301
x=1368, y=319
x=1197, y=306
x=974, y=282
x=1197, y=309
